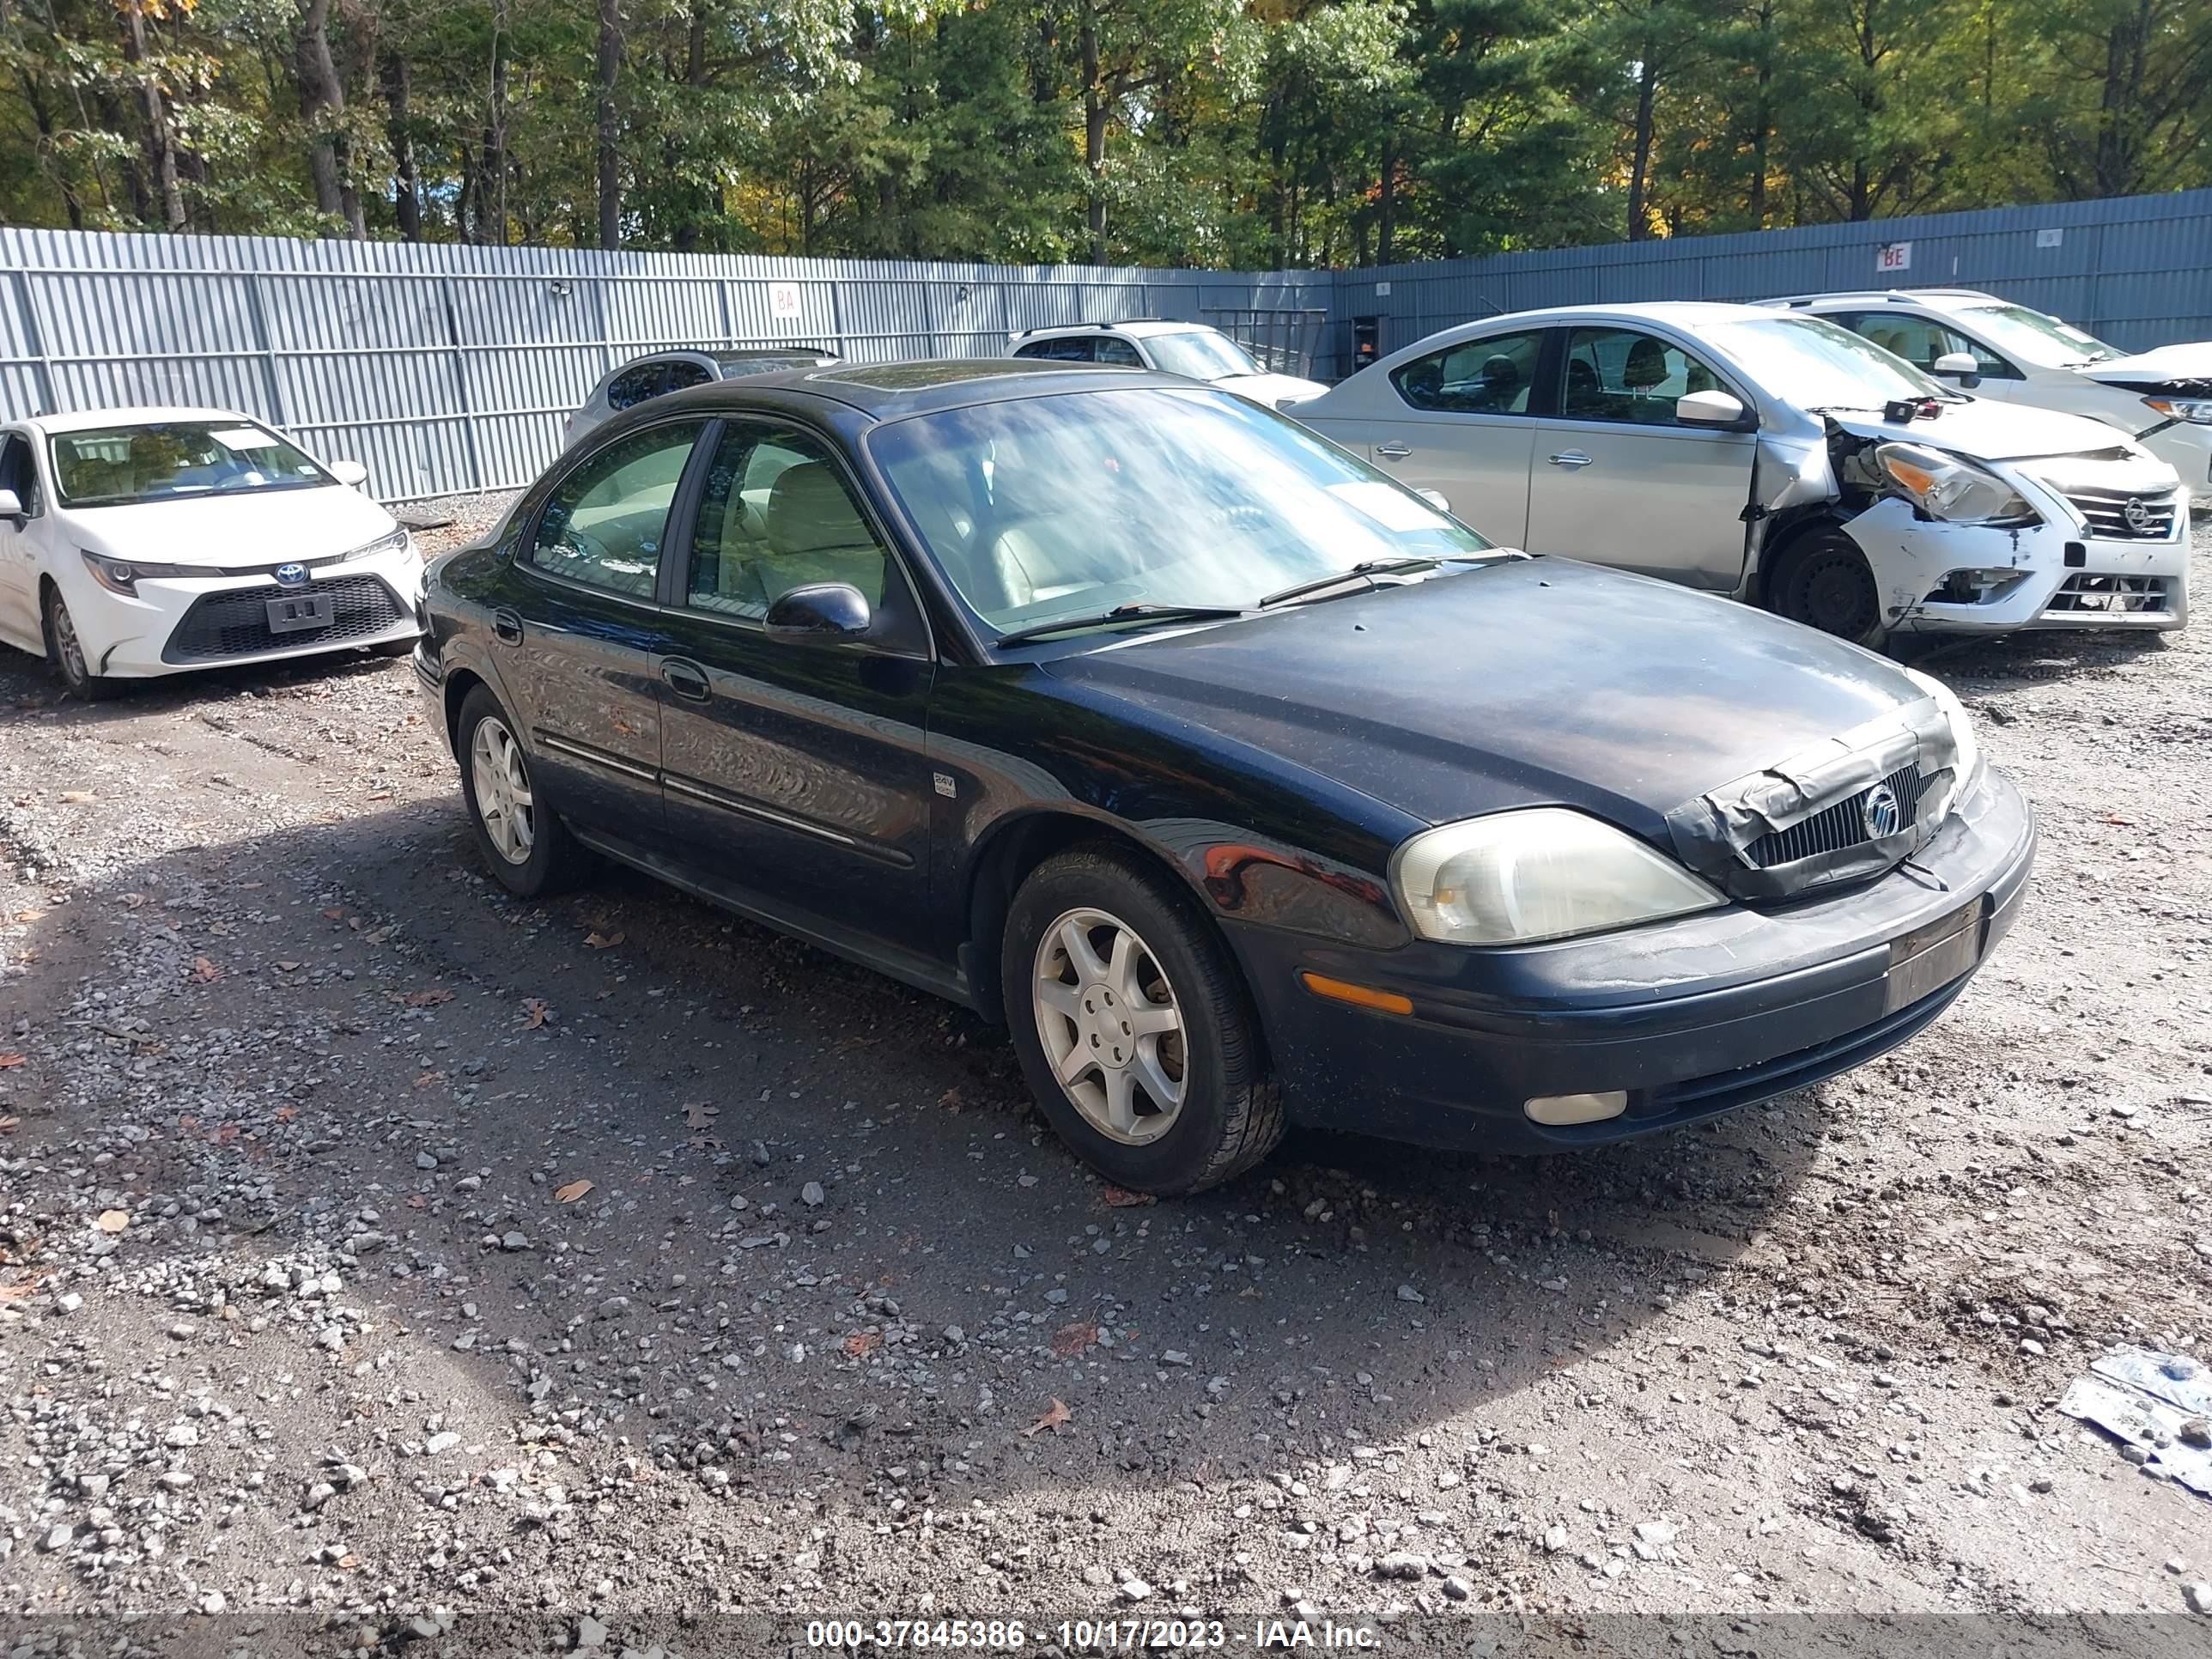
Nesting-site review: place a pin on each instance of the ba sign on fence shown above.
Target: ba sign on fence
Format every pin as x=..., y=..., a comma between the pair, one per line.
x=783, y=301
x=1894, y=256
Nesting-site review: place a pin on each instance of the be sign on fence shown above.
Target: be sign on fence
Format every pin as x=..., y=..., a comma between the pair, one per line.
x=783, y=301
x=1893, y=256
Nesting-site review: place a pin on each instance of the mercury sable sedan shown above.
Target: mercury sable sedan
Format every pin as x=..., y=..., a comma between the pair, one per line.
x=1239, y=781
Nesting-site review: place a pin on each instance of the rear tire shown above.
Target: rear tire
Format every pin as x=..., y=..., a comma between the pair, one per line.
x=65, y=651
x=1822, y=580
x=522, y=839
x=1155, y=1075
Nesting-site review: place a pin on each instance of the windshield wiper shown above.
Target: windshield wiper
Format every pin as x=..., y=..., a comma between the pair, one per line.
x=1120, y=613
x=1366, y=570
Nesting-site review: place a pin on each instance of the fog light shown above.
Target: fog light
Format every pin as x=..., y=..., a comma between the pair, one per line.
x=1560, y=1109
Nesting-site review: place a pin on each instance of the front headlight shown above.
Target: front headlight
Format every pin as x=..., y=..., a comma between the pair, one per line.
x=1542, y=872
x=1947, y=488
x=1966, y=766
x=396, y=541
x=2198, y=409
x=124, y=575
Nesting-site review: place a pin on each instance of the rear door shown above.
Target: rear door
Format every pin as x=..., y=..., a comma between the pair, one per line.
x=1618, y=480
x=580, y=635
x=795, y=769
x=1462, y=421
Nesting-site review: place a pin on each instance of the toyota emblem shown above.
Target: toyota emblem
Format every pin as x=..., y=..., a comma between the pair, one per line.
x=291, y=575
x=1883, y=813
x=2137, y=515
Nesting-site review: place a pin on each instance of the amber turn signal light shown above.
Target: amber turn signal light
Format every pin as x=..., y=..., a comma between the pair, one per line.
x=1360, y=996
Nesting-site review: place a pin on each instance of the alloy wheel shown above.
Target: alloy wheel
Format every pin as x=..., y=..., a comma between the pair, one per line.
x=1111, y=1026
x=501, y=780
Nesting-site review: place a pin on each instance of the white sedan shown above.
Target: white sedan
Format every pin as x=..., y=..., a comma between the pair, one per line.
x=1779, y=458
x=139, y=541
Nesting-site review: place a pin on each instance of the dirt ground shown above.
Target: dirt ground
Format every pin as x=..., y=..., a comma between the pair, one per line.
x=376, y=1248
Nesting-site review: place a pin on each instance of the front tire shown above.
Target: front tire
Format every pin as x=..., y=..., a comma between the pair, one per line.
x=66, y=652
x=1823, y=580
x=1133, y=1026
x=523, y=841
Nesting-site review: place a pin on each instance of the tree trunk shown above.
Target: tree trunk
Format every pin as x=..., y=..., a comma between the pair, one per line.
x=1763, y=118
x=1639, y=175
x=43, y=118
x=1387, y=201
x=161, y=142
x=1094, y=133
x=610, y=132
x=406, y=182
x=322, y=103
x=491, y=186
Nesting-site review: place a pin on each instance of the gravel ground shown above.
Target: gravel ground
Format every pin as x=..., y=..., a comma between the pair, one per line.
x=376, y=1248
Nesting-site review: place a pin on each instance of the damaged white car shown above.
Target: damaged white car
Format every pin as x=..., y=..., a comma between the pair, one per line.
x=1779, y=459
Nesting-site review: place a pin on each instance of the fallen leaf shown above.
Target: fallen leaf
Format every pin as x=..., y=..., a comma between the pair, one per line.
x=10, y=1062
x=861, y=1344
x=599, y=941
x=1120, y=1198
x=430, y=1078
x=570, y=1193
x=1052, y=1419
x=699, y=1116
x=75, y=796
x=287, y=1114
x=188, y=1121
x=2114, y=818
x=112, y=1221
x=950, y=1100
x=9, y=1125
x=15, y=1293
x=377, y=936
x=28, y=916
x=287, y=967
x=225, y=1133
x=334, y=914
x=429, y=998
x=418, y=1202
x=536, y=1011
x=203, y=970
x=1071, y=1339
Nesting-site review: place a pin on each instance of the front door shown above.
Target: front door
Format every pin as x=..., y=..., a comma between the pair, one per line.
x=580, y=635
x=1617, y=479
x=795, y=769
x=20, y=624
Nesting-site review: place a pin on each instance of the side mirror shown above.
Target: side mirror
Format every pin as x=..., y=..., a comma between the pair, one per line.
x=11, y=507
x=1708, y=409
x=819, y=611
x=350, y=473
x=1435, y=498
x=1961, y=366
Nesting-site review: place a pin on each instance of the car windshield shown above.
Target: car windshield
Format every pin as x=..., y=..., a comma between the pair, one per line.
x=165, y=460
x=1813, y=364
x=1201, y=353
x=1069, y=505
x=2038, y=337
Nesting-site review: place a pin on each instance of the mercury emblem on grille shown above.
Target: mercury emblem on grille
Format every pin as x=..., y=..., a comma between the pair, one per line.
x=1883, y=812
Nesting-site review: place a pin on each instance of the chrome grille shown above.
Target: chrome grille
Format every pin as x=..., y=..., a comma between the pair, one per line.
x=1834, y=827
x=2082, y=594
x=2106, y=513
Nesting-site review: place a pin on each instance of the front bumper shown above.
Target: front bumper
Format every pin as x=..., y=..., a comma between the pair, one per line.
x=172, y=626
x=1691, y=1017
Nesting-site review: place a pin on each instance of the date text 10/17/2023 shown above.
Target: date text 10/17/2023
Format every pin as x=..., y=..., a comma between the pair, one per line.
x=1088, y=1635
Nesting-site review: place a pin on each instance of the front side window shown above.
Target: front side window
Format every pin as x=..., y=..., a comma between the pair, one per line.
x=1491, y=376
x=1112, y=348
x=1201, y=353
x=19, y=473
x=168, y=460
x=604, y=526
x=1040, y=507
x=776, y=514
x=1623, y=375
x=683, y=372
x=1922, y=340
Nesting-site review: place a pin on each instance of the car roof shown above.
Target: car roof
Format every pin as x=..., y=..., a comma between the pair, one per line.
x=1937, y=299
x=1682, y=313
x=1137, y=328
x=890, y=392
x=79, y=420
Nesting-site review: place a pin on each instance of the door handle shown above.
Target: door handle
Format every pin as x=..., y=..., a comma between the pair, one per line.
x=1570, y=459
x=685, y=679
x=506, y=627
x=1392, y=451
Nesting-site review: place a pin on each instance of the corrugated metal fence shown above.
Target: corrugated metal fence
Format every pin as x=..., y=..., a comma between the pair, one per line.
x=449, y=368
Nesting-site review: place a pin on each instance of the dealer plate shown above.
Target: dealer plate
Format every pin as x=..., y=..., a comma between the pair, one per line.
x=1930, y=957
x=297, y=612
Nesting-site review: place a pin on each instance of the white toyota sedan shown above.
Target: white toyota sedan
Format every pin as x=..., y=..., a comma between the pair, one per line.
x=1779, y=458
x=138, y=542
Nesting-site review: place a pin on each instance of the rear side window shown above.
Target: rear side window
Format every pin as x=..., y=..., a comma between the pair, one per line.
x=1076, y=350
x=1491, y=376
x=682, y=372
x=637, y=383
x=604, y=525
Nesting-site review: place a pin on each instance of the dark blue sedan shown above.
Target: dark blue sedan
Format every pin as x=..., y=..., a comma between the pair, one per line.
x=1243, y=784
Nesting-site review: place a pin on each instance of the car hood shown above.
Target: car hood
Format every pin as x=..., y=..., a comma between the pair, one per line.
x=1523, y=683
x=1271, y=390
x=2183, y=369
x=1981, y=429
x=242, y=530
